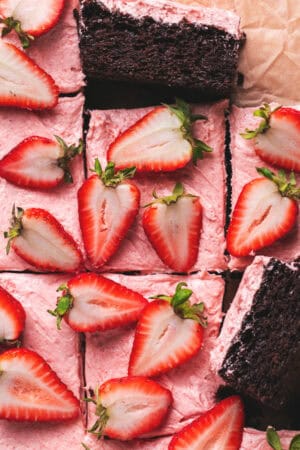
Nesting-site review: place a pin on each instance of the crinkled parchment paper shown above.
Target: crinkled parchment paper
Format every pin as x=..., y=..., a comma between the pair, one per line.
x=270, y=59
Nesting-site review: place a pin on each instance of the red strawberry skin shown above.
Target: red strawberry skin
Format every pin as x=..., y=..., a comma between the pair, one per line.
x=163, y=340
x=105, y=215
x=12, y=317
x=34, y=250
x=21, y=77
x=220, y=428
x=31, y=391
x=101, y=304
x=280, y=144
x=261, y=217
x=174, y=232
x=125, y=400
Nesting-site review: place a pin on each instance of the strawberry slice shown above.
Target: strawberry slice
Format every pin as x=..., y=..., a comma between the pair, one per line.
x=31, y=391
x=90, y=302
x=129, y=407
x=221, y=428
x=23, y=83
x=168, y=218
x=37, y=237
x=39, y=163
x=266, y=211
x=277, y=138
x=160, y=141
x=12, y=318
x=169, y=332
x=108, y=204
x=29, y=18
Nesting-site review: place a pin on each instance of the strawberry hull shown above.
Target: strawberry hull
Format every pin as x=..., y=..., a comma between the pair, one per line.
x=206, y=180
x=66, y=121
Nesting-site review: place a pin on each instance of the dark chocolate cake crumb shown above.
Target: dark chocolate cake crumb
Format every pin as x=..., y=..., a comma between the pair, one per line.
x=263, y=360
x=117, y=46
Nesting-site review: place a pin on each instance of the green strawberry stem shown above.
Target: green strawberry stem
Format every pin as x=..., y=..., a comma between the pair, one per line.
x=177, y=193
x=183, y=111
x=286, y=187
x=13, y=24
x=98, y=427
x=273, y=440
x=265, y=113
x=182, y=306
x=64, y=304
x=15, y=227
x=70, y=151
x=109, y=176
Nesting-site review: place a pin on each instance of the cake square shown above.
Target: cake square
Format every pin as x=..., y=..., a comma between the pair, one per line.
x=65, y=121
x=194, y=384
x=244, y=162
x=57, y=52
x=188, y=46
x=206, y=179
x=60, y=349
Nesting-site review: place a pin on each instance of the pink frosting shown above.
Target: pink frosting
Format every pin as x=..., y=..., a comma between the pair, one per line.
x=173, y=12
x=239, y=307
x=207, y=180
x=65, y=121
x=59, y=348
x=193, y=384
x=256, y=440
x=153, y=444
x=57, y=52
x=244, y=163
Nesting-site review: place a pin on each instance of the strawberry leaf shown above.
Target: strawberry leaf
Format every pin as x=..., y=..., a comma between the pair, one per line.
x=177, y=193
x=69, y=151
x=109, y=176
x=13, y=24
x=286, y=186
x=15, y=227
x=273, y=439
x=85, y=446
x=64, y=304
x=295, y=444
x=265, y=113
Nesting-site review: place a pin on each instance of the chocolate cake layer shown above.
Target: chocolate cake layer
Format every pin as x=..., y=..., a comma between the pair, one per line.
x=119, y=47
x=263, y=359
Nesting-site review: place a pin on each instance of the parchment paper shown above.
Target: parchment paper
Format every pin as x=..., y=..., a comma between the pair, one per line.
x=270, y=59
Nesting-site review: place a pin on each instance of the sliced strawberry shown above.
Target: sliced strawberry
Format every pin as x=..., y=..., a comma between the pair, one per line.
x=266, y=210
x=23, y=83
x=173, y=225
x=90, y=302
x=39, y=163
x=107, y=204
x=129, y=407
x=277, y=138
x=29, y=18
x=221, y=428
x=31, y=391
x=161, y=141
x=12, y=318
x=169, y=332
x=37, y=237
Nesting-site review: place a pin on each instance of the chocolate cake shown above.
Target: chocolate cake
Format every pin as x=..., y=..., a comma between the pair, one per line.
x=160, y=43
x=259, y=346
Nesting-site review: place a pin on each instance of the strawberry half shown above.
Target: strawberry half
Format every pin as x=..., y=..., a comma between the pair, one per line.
x=31, y=391
x=169, y=333
x=107, y=204
x=37, y=237
x=23, y=83
x=129, y=407
x=277, y=138
x=173, y=225
x=90, y=302
x=39, y=163
x=160, y=141
x=221, y=428
x=12, y=318
x=266, y=211
x=29, y=19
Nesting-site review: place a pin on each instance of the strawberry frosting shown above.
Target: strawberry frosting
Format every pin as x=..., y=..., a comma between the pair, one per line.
x=153, y=444
x=61, y=351
x=244, y=163
x=254, y=439
x=65, y=121
x=207, y=180
x=107, y=353
x=49, y=51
